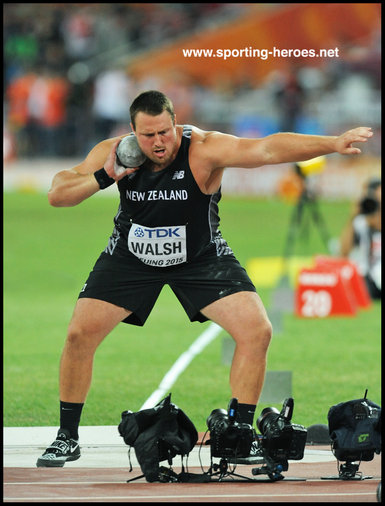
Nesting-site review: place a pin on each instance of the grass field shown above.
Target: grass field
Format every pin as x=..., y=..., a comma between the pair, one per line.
x=48, y=253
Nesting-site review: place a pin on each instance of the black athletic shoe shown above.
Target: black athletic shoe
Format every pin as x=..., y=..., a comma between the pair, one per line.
x=62, y=450
x=255, y=457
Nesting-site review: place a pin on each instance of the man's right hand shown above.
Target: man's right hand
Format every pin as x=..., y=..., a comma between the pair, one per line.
x=112, y=167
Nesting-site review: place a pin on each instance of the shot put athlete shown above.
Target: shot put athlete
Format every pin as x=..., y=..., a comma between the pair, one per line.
x=167, y=232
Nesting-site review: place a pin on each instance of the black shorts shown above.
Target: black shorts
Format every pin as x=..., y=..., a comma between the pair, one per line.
x=136, y=286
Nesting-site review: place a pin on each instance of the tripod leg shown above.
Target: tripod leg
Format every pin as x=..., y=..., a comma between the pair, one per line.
x=295, y=221
x=320, y=222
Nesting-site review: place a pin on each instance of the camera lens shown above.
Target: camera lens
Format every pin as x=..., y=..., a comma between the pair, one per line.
x=369, y=205
x=216, y=416
x=267, y=416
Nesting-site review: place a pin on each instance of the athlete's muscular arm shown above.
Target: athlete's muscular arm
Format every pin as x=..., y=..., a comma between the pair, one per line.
x=70, y=187
x=229, y=151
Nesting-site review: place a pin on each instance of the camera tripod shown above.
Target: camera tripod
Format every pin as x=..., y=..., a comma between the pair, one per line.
x=271, y=469
x=348, y=471
x=222, y=471
x=307, y=201
x=283, y=296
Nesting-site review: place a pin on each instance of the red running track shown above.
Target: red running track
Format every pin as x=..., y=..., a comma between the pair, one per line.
x=110, y=485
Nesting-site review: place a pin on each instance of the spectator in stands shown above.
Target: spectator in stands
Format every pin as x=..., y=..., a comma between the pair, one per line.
x=47, y=112
x=17, y=95
x=112, y=98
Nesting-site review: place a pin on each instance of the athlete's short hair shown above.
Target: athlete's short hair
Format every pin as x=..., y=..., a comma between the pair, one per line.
x=151, y=102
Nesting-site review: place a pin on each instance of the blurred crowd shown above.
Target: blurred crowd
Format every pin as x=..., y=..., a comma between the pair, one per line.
x=66, y=85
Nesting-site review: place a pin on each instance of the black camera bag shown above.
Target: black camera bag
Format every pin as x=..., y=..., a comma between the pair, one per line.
x=157, y=434
x=355, y=429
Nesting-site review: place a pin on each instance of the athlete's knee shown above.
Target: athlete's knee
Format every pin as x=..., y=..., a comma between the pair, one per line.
x=254, y=337
x=261, y=335
x=81, y=339
x=264, y=334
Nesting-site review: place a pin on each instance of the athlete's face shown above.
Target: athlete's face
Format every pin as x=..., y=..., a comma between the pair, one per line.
x=157, y=137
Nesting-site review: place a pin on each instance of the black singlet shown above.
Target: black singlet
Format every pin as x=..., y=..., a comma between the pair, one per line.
x=163, y=218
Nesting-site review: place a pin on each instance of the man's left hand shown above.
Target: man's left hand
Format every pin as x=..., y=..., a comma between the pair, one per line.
x=344, y=142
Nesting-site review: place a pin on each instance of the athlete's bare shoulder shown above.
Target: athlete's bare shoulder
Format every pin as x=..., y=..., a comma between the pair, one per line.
x=207, y=146
x=199, y=136
x=203, y=161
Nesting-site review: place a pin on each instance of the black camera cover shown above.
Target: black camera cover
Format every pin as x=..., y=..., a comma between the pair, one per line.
x=157, y=434
x=355, y=429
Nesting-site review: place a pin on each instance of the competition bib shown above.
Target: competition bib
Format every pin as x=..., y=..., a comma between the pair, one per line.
x=159, y=246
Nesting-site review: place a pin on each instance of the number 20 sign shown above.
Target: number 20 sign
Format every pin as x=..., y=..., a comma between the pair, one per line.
x=322, y=293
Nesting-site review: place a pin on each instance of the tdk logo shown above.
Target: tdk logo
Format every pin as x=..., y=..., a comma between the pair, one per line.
x=139, y=232
x=179, y=174
x=158, y=233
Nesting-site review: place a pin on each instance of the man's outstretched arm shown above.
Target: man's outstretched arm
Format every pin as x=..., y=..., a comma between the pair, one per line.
x=230, y=151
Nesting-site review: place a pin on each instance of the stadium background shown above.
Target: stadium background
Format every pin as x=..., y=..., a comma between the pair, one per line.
x=70, y=74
